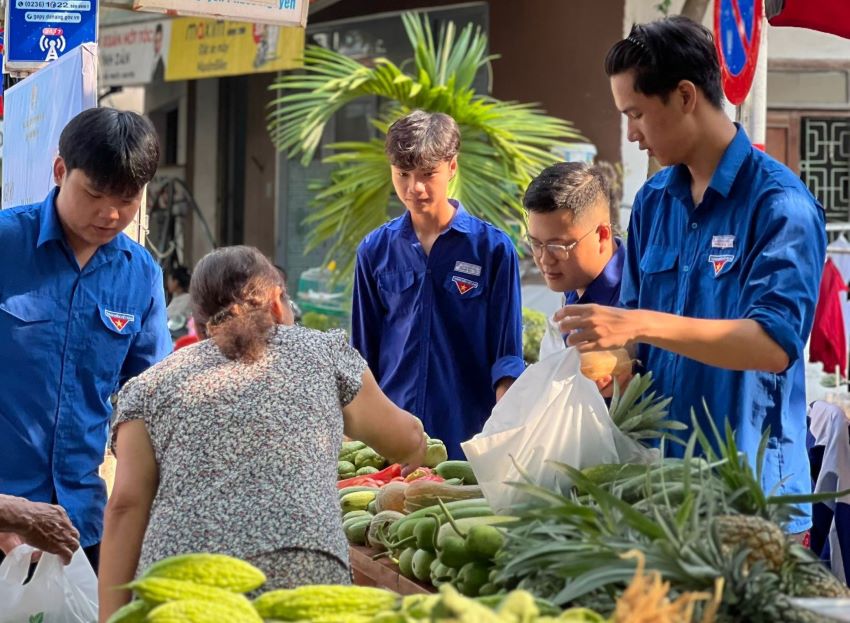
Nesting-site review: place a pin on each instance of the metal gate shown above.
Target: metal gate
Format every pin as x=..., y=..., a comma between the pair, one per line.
x=825, y=163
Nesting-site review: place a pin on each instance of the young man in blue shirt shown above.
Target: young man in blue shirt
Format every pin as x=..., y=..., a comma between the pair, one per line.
x=82, y=309
x=437, y=311
x=571, y=237
x=724, y=256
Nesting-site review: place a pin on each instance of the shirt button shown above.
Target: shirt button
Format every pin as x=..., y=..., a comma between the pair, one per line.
x=694, y=225
x=686, y=268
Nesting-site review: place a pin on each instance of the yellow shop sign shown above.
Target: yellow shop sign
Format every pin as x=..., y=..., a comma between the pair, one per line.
x=204, y=48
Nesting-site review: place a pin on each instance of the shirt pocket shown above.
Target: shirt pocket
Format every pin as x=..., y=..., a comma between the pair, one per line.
x=464, y=287
x=721, y=278
x=31, y=320
x=659, y=285
x=115, y=326
x=396, y=291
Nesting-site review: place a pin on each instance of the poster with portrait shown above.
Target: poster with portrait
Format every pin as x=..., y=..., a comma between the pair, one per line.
x=134, y=54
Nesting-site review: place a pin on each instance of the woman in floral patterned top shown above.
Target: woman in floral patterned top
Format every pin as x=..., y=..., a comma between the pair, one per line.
x=230, y=445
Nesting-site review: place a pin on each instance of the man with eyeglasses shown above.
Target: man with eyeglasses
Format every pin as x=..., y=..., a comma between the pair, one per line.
x=570, y=236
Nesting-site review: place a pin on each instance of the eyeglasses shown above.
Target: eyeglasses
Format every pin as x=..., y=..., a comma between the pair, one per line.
x=560, y=252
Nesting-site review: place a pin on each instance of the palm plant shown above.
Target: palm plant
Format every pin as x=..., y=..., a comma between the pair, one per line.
x=504, y=144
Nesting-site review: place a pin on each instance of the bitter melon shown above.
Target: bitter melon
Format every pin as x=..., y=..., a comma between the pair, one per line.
x=217, y=570
x=199, y=611
x=323, y=601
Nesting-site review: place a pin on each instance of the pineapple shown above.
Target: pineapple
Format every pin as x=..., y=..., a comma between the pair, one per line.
x=702, y=525
x=810, y=578
x=764, y=540
x=640, y=413
x=822, y=584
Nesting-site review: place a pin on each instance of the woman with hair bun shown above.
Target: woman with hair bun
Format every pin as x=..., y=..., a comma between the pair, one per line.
x=230, y=445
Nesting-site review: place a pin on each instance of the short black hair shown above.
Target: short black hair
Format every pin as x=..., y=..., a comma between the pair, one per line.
x=665, y=52
x=158, y=29
x=422, y=140
x=117, y=150
x=182, y=276
x=573, y=186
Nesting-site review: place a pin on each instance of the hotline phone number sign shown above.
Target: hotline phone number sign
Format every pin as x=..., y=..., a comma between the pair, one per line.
x=53, y=5
x=40, y=31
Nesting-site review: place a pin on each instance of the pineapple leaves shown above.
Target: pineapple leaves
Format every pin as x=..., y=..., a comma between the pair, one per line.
x=634, y=517
x=505, y=144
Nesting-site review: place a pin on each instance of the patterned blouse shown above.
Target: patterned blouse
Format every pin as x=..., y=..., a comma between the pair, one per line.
x=247, y=453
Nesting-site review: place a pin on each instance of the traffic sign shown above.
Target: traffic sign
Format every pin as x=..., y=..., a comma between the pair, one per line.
x=39, y=31
x=737, y=36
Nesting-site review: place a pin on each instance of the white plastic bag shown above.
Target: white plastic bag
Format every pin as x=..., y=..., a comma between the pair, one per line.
x=55, y=594
x=552, y=341
x=551, y=413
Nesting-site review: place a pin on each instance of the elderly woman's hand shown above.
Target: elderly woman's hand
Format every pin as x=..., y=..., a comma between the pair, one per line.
x=44, y=526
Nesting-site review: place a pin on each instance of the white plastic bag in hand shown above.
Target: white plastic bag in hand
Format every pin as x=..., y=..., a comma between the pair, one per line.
x=552, y=341
x=55, y=594
x=551, y=413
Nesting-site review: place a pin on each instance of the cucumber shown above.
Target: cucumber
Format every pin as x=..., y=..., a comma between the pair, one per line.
x=471, y=578
x=358, y=513
x=464, y=524
x=425, y=532
x=458, y=509
x=356, y=519
x=457, y=469
x=421, y=564
x=483, y=541
x=345, y=491
x=405, y=562
x=453, y=553
x=356, y=530
x=357, y=500
x=406, y=530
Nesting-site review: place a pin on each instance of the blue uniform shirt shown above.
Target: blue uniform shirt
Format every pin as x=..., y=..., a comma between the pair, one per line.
x=605, y=289
x=440, y=331
x=754, y=248
x=68, y=338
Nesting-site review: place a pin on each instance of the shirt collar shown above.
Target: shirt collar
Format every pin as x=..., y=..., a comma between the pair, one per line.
x=731, y=162
x=461, y=221
x=724, y=175
x=606, y=286
x=50, y=228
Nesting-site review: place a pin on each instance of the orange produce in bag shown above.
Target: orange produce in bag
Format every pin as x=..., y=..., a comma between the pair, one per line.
x=598, y=364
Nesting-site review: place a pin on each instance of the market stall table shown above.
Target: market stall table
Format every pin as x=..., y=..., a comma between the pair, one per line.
x=382, y=573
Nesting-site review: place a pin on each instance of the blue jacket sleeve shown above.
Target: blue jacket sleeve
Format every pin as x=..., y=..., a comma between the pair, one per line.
x=504, y=318
x=367, y=314
x=153, y=342
x=780, y=277
x=630, y=284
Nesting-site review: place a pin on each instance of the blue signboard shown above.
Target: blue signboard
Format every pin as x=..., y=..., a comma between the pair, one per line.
x=37, y=110
x=38, y=31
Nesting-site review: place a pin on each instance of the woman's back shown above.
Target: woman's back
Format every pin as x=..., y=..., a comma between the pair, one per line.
x=247, y=452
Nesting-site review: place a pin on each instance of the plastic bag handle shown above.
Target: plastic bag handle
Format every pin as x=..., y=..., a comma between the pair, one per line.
x=16, y=565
